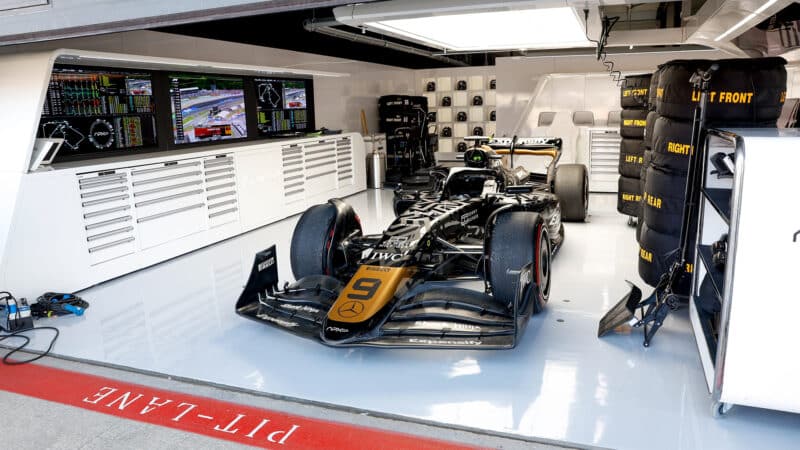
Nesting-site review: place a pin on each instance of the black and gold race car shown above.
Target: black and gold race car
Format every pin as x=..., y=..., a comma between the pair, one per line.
x=480, y=221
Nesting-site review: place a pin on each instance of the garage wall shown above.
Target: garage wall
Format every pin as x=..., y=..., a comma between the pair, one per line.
x=339, y=101
x=582, y=84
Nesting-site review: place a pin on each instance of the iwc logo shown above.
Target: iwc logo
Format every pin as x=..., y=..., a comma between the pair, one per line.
x=101, y=134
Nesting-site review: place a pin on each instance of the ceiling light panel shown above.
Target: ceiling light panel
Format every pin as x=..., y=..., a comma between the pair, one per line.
x=498, y=30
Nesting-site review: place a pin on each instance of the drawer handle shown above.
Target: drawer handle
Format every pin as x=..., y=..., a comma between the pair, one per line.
x=102, y=178
x=289, y=186
x=217, y=171
x=314, y=166
x=111, y=244
x=162, y=169
x=221, y=204
x=296, y=191
x=219, y=186
x=222, y=177
x=221, y=195
x=104, y=212
x=166, y=188
x=104, y=192
x=170, y=213
x=320, y=175
x=331, y=158
x=106, y=223
x=109, y=233
x=86, y=186
x=169, y=198
x=222, y=213
x=167, y=178
x=105, y=200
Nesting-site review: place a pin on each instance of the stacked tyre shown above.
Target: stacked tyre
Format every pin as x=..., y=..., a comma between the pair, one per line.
x=742, y=93
x=633, y=98
x=647, y=142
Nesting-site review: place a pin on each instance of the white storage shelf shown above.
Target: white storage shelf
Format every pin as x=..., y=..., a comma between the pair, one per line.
x=746, y=349
x=462, y=101
x=115, y=218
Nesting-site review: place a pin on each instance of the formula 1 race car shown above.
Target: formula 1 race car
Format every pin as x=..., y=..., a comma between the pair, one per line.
x=481, y=221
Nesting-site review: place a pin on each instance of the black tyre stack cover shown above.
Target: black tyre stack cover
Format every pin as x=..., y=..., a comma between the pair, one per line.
x=743, y=93
x=652, y=116
x=634, y=96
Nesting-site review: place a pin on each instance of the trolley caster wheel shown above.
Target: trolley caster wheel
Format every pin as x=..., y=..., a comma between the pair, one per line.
x=631, y=221
x=719, y=409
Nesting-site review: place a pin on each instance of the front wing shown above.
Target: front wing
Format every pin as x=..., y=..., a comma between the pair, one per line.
x=430, y=318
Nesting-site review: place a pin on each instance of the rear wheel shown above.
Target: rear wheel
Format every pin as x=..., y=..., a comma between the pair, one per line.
x=317, y=240
x=518, y=238
x=572, y=188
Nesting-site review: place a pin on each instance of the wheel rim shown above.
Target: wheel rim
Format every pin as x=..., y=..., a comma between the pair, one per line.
x=544, y=266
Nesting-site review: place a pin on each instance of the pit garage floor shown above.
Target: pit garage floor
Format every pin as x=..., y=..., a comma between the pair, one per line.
x=561, y=382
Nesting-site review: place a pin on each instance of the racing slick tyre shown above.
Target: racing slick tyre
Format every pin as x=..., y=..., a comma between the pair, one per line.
x=317, y=239
x=672, y=144
x=663, y=200
x=518, y=238
x=751, y=90
x=634, y=92
x=652, y=94
x=629, y=200
x=652, y=116
x=657, y=253
x=571, y=186
x=634, y=122
x=631, y=152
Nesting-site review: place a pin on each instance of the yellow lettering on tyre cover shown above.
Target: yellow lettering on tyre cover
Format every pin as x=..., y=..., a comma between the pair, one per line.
x=634, y=123
x=641, y=92
x=653, y=201
x=645, y=255
x=678, y=148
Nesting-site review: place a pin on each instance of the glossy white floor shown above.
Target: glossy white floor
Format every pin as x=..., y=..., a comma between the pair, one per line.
x=561, y=382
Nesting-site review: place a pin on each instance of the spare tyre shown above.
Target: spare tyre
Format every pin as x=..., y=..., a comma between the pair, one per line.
x=629, y=196
x=631, y=155
x=657, y=253
x=571, y=185
x=652, y=116
x=652, y=90
x=672, y=145
x=633, y=123
x=751, y=90
x=663, y=201
x=635, y=91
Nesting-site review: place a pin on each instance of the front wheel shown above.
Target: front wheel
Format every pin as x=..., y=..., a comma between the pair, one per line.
x=518, y=238
x=571, y=185
x=318, y=237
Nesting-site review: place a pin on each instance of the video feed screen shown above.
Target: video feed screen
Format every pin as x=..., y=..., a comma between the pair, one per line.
x=98, y=111
x=284, y=106
x=207, y=108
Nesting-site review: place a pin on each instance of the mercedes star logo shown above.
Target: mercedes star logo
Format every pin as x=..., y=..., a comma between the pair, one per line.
x=351, y=309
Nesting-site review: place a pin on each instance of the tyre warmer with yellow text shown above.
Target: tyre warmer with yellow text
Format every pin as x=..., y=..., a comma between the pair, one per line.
x=634, y=96
x=743, y=93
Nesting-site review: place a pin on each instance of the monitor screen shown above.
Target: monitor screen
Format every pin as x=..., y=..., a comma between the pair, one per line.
x=284, y=106
x=207, y=108
x=98, y=111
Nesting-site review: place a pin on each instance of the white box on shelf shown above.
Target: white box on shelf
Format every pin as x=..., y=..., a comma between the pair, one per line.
x=445, y=144
x=444, y=115
x=476, y=114
x=491, y=98
x=460, y=130
x=432, y=100
x=444, y=84
x=475, y=83
x=490, y=129
x=460, y=98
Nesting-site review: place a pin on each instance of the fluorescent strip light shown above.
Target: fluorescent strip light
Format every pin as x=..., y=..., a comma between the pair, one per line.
x=746, y=20
x=499, y=30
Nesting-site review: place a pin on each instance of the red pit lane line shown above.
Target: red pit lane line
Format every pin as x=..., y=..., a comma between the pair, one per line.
x=200, y=415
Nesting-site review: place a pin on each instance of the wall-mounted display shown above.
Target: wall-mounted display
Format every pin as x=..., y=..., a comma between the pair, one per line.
x=285, y=106
x=207, y=108
x=98, y=111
